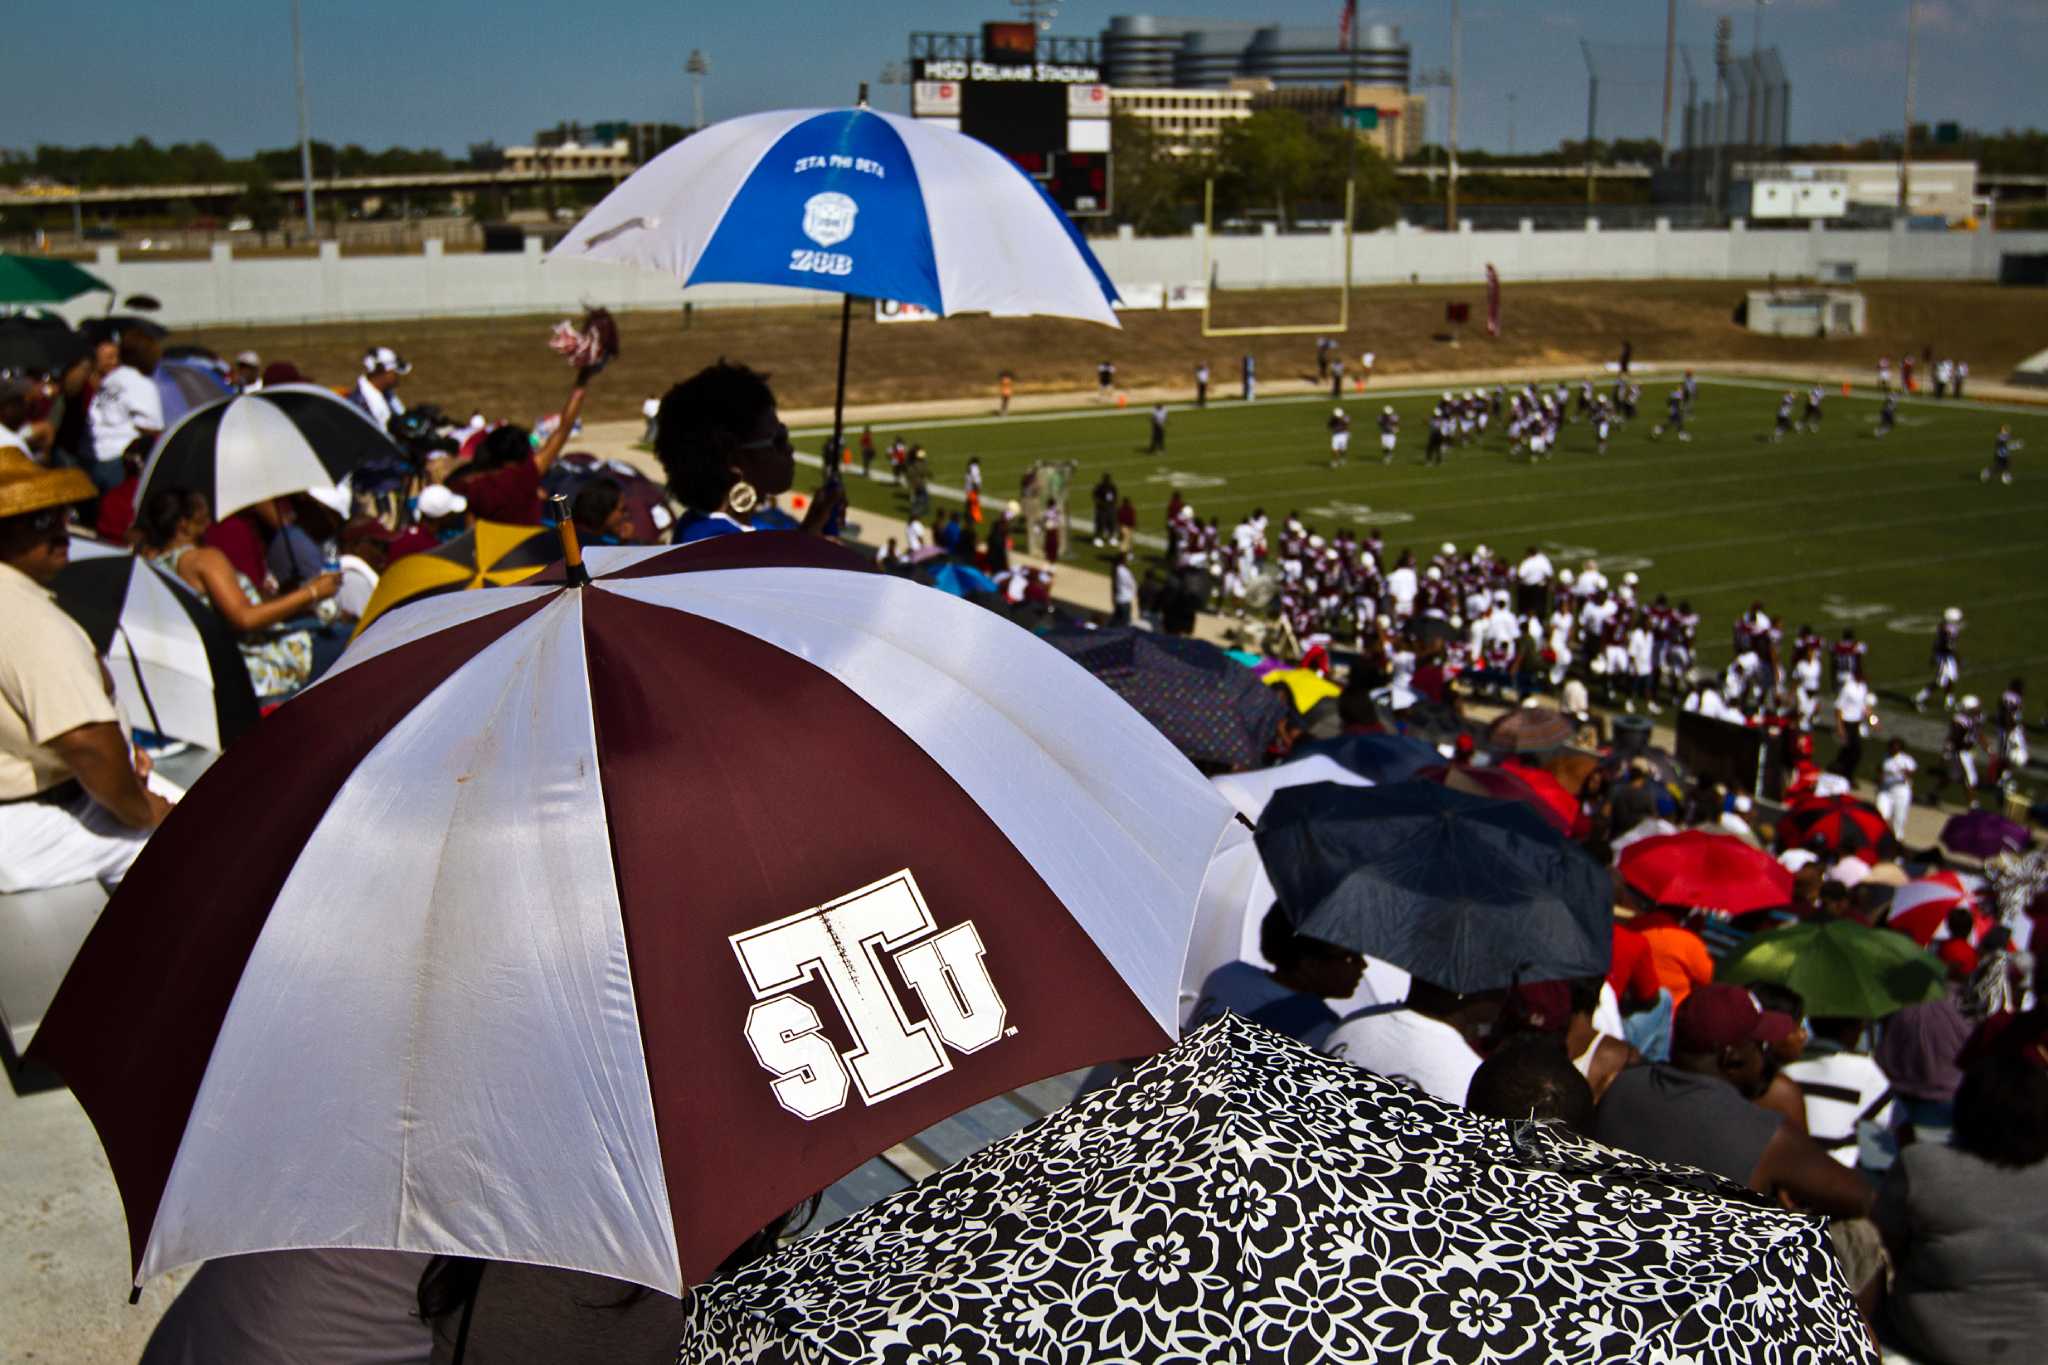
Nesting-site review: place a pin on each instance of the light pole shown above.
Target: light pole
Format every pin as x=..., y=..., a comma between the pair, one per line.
x=1723, y=129
x=1451, y=198
x=305, y=137
x=698, y=66
x=1670, y=46
x=1750, y=84
x=1906, y=141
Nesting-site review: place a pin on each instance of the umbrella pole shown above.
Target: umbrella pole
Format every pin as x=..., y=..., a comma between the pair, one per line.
x=839, y=392
x=135, y=666
x=572, y=548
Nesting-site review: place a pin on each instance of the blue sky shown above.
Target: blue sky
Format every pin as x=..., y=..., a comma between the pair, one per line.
x=450, y=72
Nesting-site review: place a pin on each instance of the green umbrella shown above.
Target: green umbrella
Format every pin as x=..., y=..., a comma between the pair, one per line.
x=1842, y=969
x=40, y=279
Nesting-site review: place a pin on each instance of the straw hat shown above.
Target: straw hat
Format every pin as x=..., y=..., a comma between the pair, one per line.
x=26, y=486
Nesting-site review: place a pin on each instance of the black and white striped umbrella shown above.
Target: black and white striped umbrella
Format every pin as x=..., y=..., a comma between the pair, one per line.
x=268, y=444
x=174, y=663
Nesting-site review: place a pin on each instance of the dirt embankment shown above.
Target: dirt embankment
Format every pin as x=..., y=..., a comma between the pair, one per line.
x=503, y=366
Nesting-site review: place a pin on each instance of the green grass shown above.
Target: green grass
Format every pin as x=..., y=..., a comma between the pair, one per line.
x=1834, y=528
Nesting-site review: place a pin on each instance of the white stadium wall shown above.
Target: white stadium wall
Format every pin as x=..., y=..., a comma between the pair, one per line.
x=337, y=288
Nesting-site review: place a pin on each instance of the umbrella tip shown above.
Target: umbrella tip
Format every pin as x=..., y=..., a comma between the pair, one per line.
x=572, y=549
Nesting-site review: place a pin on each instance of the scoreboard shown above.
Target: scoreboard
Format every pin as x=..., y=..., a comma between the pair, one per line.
x=1052, y=119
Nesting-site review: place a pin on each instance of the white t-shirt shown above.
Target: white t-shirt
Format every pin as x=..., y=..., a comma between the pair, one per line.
x=1839, y=1087
x=1126, y=585
x=1852, y=703
x=127, y=405
x=915, y=537
x=1898, y=770
x=1404, y=1045
x=381, y=405
x=1401, y=587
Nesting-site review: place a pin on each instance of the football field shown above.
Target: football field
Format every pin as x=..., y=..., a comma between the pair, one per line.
x=1836, y=528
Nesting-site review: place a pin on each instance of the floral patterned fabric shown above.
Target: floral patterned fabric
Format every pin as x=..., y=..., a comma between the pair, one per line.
x=1242, y=1199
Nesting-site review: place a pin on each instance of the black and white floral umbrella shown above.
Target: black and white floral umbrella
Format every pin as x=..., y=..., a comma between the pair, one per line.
x=1243, y=1199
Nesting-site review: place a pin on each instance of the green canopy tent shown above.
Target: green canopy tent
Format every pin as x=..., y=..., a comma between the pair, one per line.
x=40, y=279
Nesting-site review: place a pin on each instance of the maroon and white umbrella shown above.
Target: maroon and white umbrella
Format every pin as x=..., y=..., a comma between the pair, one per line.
x=595, y=926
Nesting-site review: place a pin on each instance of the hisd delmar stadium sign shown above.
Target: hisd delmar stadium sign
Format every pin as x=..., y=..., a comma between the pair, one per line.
x=945, y=69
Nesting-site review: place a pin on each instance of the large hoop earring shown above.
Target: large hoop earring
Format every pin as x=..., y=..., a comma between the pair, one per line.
x=742, y=499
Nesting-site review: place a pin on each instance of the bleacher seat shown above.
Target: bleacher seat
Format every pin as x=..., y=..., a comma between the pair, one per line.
x=40, y=932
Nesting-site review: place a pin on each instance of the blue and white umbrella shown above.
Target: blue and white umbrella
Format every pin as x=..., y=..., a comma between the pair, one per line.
x=855, y=202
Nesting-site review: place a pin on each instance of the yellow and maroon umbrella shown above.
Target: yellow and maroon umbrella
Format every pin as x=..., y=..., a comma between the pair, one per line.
x=491, y=554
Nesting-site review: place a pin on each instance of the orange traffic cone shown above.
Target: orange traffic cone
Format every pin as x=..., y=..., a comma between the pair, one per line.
x=1122, y=399
x=1845, y=388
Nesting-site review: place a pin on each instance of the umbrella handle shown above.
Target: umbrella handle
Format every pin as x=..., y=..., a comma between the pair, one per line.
x=572, y=549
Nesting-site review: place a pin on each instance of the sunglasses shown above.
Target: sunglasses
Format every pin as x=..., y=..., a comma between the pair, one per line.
x=779, y=441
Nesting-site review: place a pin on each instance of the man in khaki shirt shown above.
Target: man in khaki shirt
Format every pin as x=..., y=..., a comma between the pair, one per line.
x=74, y=800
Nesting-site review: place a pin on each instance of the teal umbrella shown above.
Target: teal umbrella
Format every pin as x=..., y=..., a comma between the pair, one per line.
x=1840, y=968
x=40, y=279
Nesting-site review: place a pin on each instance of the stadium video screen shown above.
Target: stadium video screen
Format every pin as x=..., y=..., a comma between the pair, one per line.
x=1015, y=116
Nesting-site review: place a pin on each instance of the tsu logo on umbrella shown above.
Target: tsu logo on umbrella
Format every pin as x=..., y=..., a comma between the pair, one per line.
x=890, y=1054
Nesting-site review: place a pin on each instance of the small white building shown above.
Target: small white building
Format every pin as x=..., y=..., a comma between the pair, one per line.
x=1804, y=312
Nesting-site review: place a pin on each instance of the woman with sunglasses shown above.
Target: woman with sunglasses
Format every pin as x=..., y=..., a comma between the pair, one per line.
x=728, y=455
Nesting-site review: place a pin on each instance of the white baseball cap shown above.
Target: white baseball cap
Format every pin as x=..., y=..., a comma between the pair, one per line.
x=379, y=358
x=251, y=359
x=336, y=498
x=438, y=500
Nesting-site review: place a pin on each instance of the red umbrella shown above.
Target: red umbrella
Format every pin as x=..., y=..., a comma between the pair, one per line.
x=518, y=937
x=1920, y=908
x=1552, y=792
x=1504, y=784
x=1840, y=824
x=1695, y=868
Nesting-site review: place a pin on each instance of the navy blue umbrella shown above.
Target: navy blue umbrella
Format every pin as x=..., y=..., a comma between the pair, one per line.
x=1212, y=707
x=1465, y=892
x=1384, y=758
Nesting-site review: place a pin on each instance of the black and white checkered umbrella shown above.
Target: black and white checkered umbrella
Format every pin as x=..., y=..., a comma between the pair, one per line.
x=1243, y=1199
x=268, y=444
x=175, y=667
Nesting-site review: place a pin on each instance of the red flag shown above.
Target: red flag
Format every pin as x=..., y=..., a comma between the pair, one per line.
x=1347, y=23
x=1492, y=301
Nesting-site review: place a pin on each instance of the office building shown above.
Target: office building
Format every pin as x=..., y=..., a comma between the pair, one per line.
x=1143, y=51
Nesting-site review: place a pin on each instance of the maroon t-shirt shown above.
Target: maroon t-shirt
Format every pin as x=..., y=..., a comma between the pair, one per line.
x=241, y=539
x=509, y=493
x=410, y=541
x=117, y=510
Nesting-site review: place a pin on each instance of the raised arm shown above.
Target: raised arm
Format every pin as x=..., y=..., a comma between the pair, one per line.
x=551, y=449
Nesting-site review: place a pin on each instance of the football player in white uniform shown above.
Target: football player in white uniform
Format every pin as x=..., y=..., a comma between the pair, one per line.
x=1946, y=660
x=1340, y=437
x=1390, y=427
